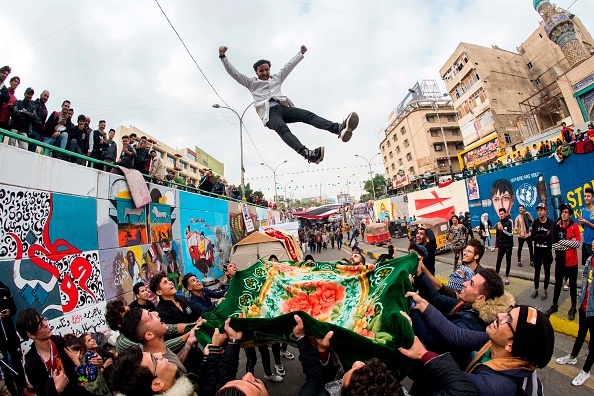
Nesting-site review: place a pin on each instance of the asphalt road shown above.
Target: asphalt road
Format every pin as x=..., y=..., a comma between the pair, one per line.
x=556, y=378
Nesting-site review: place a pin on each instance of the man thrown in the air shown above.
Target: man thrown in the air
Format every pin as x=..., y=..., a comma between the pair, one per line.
x=277, y=110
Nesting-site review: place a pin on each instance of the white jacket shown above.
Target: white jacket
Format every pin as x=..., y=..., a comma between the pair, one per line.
x=263, y=91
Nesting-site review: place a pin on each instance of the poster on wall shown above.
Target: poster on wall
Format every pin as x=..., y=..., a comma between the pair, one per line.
x=528, y=184
x=472, y=186
x=247, y=220
x=439, y=202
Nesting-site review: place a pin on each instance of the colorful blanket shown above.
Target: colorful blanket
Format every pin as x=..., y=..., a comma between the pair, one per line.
x=360, y=303
x=137, y=186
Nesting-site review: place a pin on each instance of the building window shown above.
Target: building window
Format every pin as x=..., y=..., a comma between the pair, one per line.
x=430, y=118
x=391, y=155
x=438, y=147
x=537, y=81
x=409, y=157
x=191, y=156
x=529, y=65
x=441, y=164
x=171, y=160
x=393, y=166
x=406, y=143
x=397, y=149
x=402, y=130
x=400, y=162
x=389, y=144
x=183, y=165
x=455, y=132
x=459, y=146
x=451, y=118
x=411, y=170
x=395, y=137
x=192, y=169
x=434, y=133
x=508, y=138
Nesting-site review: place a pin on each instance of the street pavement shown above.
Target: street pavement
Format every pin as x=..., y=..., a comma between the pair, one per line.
x=556, y=378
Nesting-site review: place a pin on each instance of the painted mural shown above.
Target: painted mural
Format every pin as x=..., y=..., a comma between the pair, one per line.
x=543, y=180
x=48, y=252
x=67, y=253
x=439, y=202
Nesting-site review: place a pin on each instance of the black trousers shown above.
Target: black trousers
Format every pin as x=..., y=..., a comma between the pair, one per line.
x=586, y=252
x=280, y=116
x=528, y=242
x=586, y=325
x=507, y=252
x=252, y=359
x=14, y=383
x=561, y=271
x=543, y=260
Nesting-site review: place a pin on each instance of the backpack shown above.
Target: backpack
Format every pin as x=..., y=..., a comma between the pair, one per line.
x=565, y=150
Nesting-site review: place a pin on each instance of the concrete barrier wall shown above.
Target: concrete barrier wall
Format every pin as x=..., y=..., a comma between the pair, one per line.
x=71, y=238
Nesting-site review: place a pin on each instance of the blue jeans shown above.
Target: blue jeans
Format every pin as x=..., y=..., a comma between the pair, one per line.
x=34, y=135
x=60, y=141
x=487, y=240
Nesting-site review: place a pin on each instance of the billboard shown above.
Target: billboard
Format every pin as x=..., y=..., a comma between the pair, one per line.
x=439, y=202
x=543, y=180
x=203, y=158
x=481, y=153
x=410, y=97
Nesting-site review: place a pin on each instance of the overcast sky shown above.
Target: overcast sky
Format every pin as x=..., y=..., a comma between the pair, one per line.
x=121, y=61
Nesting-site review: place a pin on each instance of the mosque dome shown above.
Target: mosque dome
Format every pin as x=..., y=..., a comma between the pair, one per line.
x=538, y=2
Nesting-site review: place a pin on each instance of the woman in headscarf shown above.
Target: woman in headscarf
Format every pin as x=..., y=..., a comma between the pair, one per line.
x=485, y=230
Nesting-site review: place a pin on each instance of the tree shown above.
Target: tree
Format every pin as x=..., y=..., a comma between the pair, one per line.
x=379, y=182
x=248, y=190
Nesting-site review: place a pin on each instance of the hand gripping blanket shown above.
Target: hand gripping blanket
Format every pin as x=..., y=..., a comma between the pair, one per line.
x=360, y=303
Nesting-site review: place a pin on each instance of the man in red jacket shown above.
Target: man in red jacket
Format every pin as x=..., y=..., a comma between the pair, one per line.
x=566, y=241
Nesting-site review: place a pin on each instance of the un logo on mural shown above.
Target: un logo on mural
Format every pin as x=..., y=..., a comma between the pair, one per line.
x=526, y=195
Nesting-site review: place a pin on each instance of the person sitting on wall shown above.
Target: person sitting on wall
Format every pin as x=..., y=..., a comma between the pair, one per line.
x=200, y=297
x=171, y=307
x=142, y=298
x=49, y=365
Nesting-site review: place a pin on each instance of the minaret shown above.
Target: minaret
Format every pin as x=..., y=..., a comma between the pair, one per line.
x=560, y=29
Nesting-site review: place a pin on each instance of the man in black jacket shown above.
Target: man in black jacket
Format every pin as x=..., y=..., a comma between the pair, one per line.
x=172, y=308
x=79, y=138
x=542, y=237
x=504, y=242
x=57, y=126
x=142, y=155
x=39, y=121
x=49, y=364
x=21, y=122
x=97, y=143
x=10, y=343
x=128, y=154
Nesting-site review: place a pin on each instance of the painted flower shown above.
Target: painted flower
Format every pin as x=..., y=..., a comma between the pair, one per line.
x=330, y=294
x=315, y=298
x=368, y=334
x=370, y=311
x=360, y=325
x=253, y=311
x=323, y=317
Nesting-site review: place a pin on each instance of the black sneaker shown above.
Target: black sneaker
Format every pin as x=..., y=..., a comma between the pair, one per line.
x=571, y=313
x=534, y=294
x=552, y=310
x=314, y=156
x=348, y=126
x=520, y=265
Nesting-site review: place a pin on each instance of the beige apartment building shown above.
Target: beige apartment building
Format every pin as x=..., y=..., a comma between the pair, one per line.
x=558, y=57
x=184, y=161
x=487, y=85
x=413, y=144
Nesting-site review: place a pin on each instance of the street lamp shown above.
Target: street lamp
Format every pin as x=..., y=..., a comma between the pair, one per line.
x=347, y=183
x=274, y=175
x=370, y=171
x=285, y=190
x=435, y=106
x=217, y=106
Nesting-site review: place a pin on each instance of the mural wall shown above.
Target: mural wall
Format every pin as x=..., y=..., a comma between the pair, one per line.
x=438, y=202
x=67, y=251
x=528, y=184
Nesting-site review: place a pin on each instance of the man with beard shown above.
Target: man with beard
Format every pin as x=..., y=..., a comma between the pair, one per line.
x=424, y=239
x=57, y=127
x=97, y=143
x=39, y=121
x=21, y=122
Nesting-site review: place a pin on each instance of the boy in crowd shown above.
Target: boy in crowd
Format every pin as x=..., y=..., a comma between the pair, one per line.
x=142, y=298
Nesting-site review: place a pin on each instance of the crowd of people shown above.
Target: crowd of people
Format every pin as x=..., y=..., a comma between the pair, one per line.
x=30, y=118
